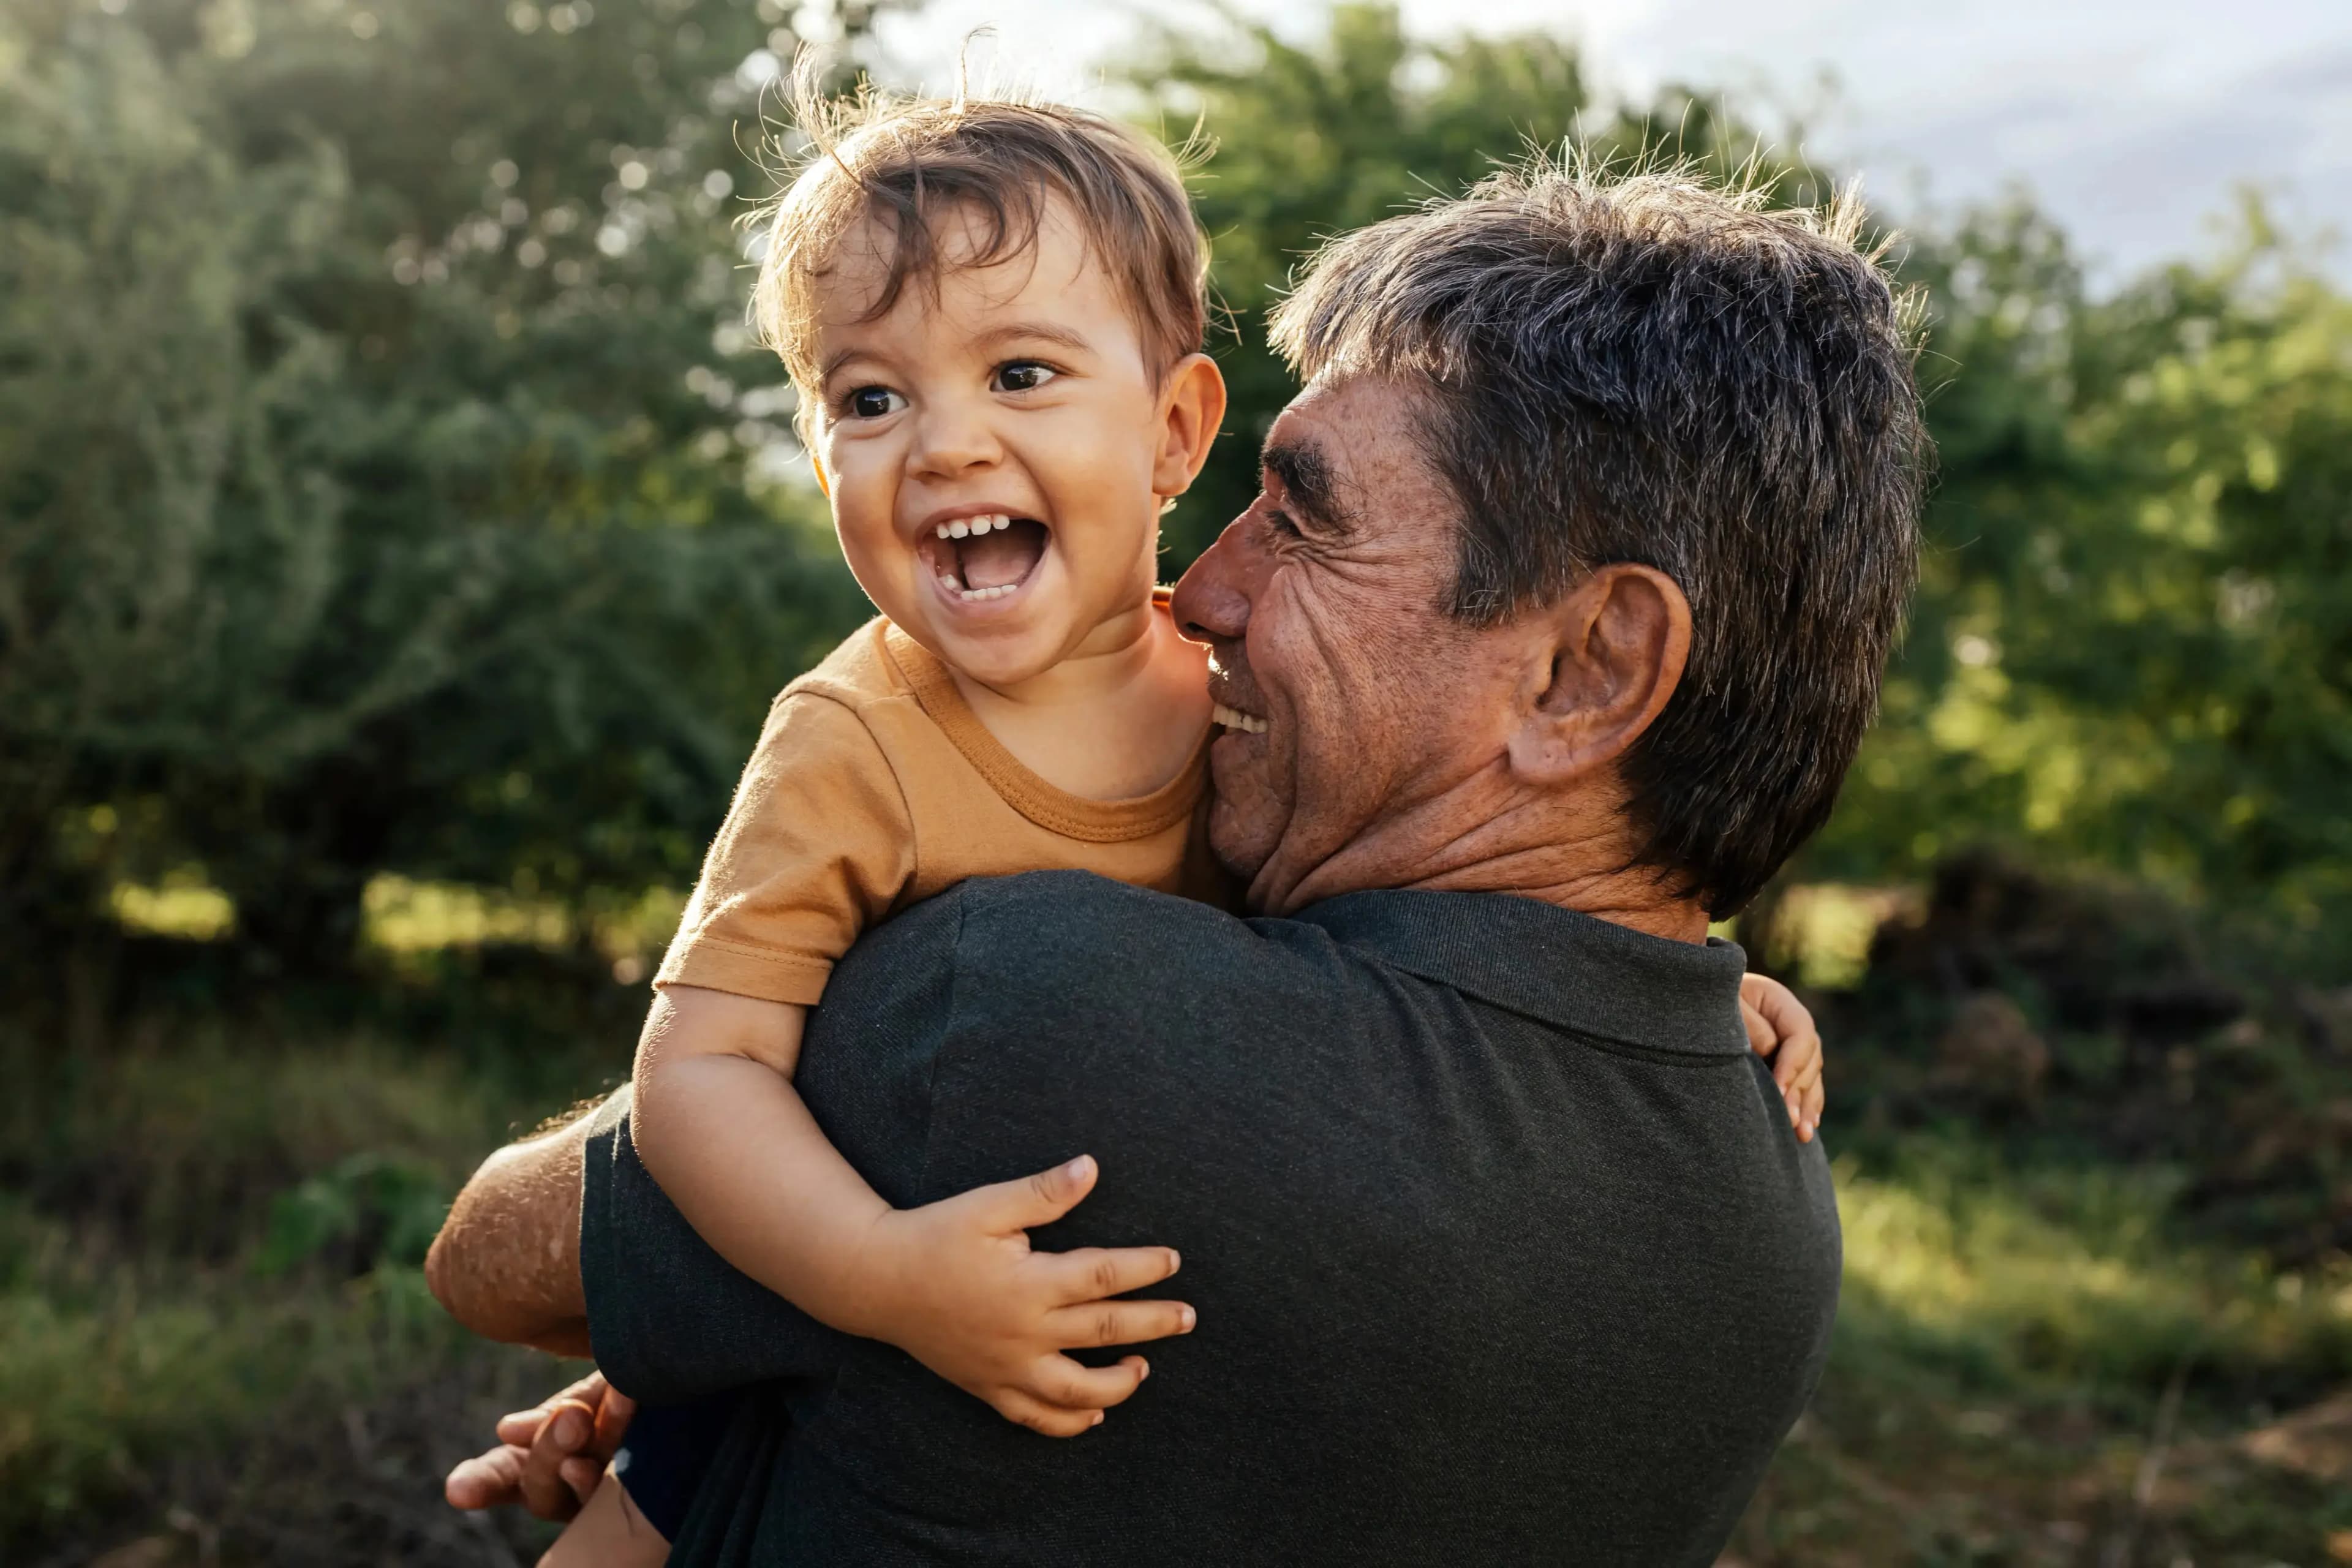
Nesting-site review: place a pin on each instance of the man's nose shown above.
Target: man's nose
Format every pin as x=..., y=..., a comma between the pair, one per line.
x=1212, y=600
x=951, y=438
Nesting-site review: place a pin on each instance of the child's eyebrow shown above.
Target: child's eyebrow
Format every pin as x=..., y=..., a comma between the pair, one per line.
x=1015, y=331
x=835, y=360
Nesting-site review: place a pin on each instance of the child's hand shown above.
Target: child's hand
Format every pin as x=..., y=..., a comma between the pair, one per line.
x=959, y=1289
x=1779, y=1024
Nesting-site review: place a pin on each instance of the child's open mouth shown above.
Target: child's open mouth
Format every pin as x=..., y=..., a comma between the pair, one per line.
x=977, y=559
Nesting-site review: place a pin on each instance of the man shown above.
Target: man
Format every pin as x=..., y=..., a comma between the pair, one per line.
x=1563, y=611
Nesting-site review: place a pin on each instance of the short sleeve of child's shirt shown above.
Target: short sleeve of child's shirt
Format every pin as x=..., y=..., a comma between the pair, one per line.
x=816, y=848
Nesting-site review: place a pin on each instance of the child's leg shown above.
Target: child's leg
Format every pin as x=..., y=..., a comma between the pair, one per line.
x=608, y=1533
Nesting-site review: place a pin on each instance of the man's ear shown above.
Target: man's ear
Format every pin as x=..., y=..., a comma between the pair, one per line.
x=1617, y=646
x=1191, y=406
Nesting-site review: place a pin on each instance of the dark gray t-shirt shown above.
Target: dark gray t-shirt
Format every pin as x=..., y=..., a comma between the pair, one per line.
x=1503, y=1248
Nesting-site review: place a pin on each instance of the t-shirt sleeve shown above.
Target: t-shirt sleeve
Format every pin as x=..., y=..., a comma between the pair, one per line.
x=816, y=847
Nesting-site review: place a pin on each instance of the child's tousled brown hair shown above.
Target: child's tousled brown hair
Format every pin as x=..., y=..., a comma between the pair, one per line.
x=908, y=161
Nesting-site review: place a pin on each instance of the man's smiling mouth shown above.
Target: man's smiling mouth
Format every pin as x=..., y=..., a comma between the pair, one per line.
x=978, y=559
x=1234, y=719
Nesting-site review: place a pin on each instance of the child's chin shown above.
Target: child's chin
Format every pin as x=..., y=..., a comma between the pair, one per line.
x=1003, y=658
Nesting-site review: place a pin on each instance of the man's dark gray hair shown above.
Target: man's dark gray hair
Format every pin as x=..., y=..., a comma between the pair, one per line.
x=1650, y=369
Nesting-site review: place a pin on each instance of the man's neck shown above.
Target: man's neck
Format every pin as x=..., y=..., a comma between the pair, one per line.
x=1575, y=853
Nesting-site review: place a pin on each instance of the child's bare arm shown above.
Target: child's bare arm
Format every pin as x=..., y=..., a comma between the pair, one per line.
x=953, y=1283
x=1779, y=1025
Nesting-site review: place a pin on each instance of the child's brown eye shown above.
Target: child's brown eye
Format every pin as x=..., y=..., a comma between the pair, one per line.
x=1023, y=375
x=874, y=402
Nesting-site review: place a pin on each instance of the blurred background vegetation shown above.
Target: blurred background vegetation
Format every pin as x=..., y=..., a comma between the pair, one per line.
x=399, y=543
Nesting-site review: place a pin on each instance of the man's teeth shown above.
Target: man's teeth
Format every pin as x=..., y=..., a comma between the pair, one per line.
x=974, y=596
x=964, y=527
x=1234, y=719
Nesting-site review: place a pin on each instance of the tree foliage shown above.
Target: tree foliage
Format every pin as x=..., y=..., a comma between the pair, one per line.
x=380, y=480
x=374, y=451
x=2133, y=647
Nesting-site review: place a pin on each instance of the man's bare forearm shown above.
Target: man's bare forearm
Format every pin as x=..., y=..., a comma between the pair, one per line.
x=507, y=1262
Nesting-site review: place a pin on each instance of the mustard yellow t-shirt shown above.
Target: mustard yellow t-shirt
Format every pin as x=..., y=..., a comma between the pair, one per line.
x=875, y=787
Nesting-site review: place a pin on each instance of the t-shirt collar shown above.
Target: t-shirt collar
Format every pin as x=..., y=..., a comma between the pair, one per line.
x=1566, y=969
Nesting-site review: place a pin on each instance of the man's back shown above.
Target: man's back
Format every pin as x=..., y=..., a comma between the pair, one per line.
x=1502, y=1247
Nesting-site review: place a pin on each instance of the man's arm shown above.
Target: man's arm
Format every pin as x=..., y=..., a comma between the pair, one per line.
x=507, y=1262
x=672, y=1319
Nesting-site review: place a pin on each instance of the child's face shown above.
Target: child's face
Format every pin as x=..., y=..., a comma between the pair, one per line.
x=996, y=450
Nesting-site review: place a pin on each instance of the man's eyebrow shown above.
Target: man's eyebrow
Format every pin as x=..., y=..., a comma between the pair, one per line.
x=1307, y=479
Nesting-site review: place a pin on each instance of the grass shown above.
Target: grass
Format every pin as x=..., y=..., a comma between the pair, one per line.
x=215, y=1344
x=2007, y=1346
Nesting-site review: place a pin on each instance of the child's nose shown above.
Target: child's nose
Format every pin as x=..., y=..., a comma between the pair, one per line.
x=952, y=439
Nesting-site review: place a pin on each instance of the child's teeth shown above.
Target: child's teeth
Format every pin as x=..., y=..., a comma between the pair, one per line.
x=958, y=529
x=943, y=530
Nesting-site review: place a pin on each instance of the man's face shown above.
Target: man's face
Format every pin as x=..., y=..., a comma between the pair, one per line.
x=1323, y=608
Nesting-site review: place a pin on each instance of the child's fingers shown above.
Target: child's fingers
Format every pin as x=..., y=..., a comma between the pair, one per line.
x=1035, y=1200
x=1760, y=1037
x=1800, y=1055
x=1793, y=1094
x=1050, y=1420
x=1784, y=1017
x=1816, y=1096
x=1070, y=1386
x=1099, y=1324
x=1091, y=1273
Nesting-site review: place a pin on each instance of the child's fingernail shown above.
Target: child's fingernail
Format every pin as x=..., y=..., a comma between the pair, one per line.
x=1143, y=1371
x=1175, y=1260
x=1189, y=1318
x=1098, y=1420
x=567, y=1431
x=1078, y=1167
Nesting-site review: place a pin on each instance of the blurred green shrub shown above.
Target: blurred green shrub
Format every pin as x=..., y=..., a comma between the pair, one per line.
x=2133, y=643
x=371, y=1209
x=377, y=451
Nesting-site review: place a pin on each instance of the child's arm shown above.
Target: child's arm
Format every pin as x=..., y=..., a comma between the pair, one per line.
x=1779, y=1024
x=953, y=1283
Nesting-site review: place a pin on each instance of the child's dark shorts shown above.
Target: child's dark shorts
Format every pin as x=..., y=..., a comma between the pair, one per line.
x=665, y=1454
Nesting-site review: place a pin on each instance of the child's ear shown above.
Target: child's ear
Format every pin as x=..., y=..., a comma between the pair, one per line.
x=1191, y=408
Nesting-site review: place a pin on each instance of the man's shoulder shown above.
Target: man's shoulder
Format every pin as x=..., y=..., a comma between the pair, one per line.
x=1076, y=947
x=1077, y=925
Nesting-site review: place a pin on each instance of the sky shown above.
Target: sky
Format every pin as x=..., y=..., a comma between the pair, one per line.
x=2132, y=122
